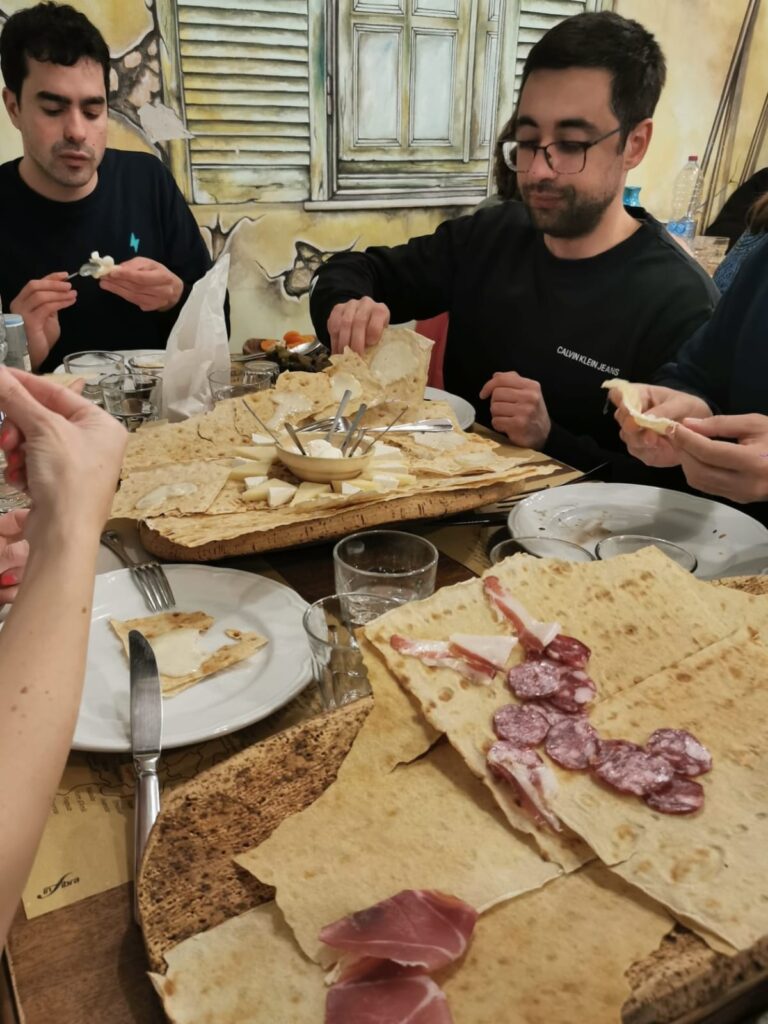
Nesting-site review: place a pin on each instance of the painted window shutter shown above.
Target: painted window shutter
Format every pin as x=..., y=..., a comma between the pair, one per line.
x=536, y=17
x=245, y=89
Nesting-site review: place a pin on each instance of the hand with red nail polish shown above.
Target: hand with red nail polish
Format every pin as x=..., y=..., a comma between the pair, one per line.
x=14, y=551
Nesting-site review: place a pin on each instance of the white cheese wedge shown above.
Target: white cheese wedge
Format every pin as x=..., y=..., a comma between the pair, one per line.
x=280, y=494
x=252, y=469
x=160, y=494
x=263, y=439
x=256, y=453
x=359, y=483
x=178, y=652
x=254, y=481
x=308, y=492
x=346, y=487
x=261, y=493
x=385, y=482
x=321, y=449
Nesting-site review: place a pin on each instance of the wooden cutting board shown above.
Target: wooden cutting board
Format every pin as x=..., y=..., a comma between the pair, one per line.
x=190, y=883
x=430, y=505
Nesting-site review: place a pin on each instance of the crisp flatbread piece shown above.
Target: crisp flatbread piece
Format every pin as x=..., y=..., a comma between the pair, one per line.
x=429, y=824
x=186, y=488
x=709, y=868
x=154, y=626
x=613, y=606
x=630, y=395
x=248, y=969
x=400, y=363
x=556, y=956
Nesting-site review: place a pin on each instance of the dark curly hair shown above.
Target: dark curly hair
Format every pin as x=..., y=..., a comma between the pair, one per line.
x=618, y=45
x=51, y=32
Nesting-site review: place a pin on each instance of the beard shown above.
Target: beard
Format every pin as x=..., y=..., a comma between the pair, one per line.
x=575, y=216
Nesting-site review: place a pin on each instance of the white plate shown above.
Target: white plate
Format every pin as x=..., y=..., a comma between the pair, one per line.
x=726, y=542
x=464, y=412
x=220, y=704
x=126, y=354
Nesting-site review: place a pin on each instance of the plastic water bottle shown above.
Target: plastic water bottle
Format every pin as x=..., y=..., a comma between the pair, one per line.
x=631, y=195
x=686, y=193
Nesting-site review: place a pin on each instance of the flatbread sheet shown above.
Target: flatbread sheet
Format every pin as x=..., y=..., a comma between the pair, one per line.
x=611, y=605
x=711, y=868
x=556, y=956
x=429, y=824
x=630, y=395
x=158, y=486
x=248, y=969
x=151, y=626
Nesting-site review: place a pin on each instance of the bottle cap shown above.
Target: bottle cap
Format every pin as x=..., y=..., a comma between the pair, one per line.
x=694, y=157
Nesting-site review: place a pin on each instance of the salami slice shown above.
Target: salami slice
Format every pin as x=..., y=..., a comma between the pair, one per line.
x=630, y=769
x=569, y=651
x=537, y=678
x=683, y=751
x=681, y=796
x=572, y=742
x=522, y=725
x=550, y=712
x=576, y=691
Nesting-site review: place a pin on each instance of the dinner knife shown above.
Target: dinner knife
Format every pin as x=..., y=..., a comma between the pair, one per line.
x=146, y=736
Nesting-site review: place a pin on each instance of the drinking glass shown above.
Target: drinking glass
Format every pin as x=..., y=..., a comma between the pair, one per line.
x=540, y=547
x=627, y=543
x=389, y=562
x=241, y=379
x=337, y=664
x=93, y=366
x=132, y=398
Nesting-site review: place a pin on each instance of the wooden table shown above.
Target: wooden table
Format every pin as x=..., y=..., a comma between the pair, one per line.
x=86, y=963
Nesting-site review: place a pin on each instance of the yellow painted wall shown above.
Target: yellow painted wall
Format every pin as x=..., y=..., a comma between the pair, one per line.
x=698, y=38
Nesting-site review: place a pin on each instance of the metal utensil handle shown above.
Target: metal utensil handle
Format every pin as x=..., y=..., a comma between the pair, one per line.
x=113, y=541
x=353, y=427
x=295, y=438
x=146, y=811
x=339, y=413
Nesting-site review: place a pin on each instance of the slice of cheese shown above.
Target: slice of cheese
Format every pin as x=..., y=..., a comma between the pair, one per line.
x=280, y=493
x=630, y=394
x=251, y=470
x=178, y=652
x=259, y=453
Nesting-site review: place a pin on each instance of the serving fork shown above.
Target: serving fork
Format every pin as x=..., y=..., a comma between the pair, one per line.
x=148, y=576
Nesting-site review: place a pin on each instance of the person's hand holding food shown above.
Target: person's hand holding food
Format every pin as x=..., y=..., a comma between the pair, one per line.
x=651, y=448
x=357, y=324
x=518, y=409
x=56, y=443
x=714, y=464
x=39, y=303
x=146, y=283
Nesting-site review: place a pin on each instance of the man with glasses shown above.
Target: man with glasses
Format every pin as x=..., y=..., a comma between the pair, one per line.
x=551, y=296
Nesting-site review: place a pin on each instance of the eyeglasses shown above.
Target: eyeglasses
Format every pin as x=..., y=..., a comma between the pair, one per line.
x=563, y=157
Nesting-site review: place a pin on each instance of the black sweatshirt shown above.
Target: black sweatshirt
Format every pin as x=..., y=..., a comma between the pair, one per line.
x=569, y=324
x=136, y=209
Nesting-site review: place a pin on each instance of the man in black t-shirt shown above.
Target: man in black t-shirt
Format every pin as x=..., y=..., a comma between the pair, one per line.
x=551, y=296
x=69, y=196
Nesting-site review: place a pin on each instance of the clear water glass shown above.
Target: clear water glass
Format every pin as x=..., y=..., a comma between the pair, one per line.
x=241, y=379
x=93, y=366
x=540, y=547
x=132, y=398
x=628, y=543
x=337, y=663
x=387, y=562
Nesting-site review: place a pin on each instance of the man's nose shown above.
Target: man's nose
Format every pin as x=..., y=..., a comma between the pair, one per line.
x=74, y=126
x=540, y=169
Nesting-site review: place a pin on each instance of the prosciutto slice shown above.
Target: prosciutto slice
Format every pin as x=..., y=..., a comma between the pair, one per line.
x=530, y=778
x=442, y=654
x=535, y=636
x=493, y=651
x=415, y=928
x=386, y=997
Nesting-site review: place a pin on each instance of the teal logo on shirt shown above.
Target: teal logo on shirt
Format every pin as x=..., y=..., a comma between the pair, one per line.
x=134, y=243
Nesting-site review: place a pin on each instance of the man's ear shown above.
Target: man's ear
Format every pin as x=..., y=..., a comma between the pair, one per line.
x=637, y=143
x=12, y=106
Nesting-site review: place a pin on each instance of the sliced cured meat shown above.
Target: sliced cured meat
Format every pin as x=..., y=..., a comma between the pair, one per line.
x=630, y=769
x=681, y=796
x=491, y=651
x=683, y=751
x=550, y=712
x=534, y=635
x=521, y=724
x=529, y=777
x=536, y=678
x=416, y=927
x=568, y=650
x=386, y=997
x=572, y=742
x=576, y=691
x=440, y=654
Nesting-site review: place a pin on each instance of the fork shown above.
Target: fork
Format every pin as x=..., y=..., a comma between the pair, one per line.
x=149, y=577
x=419, y=427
